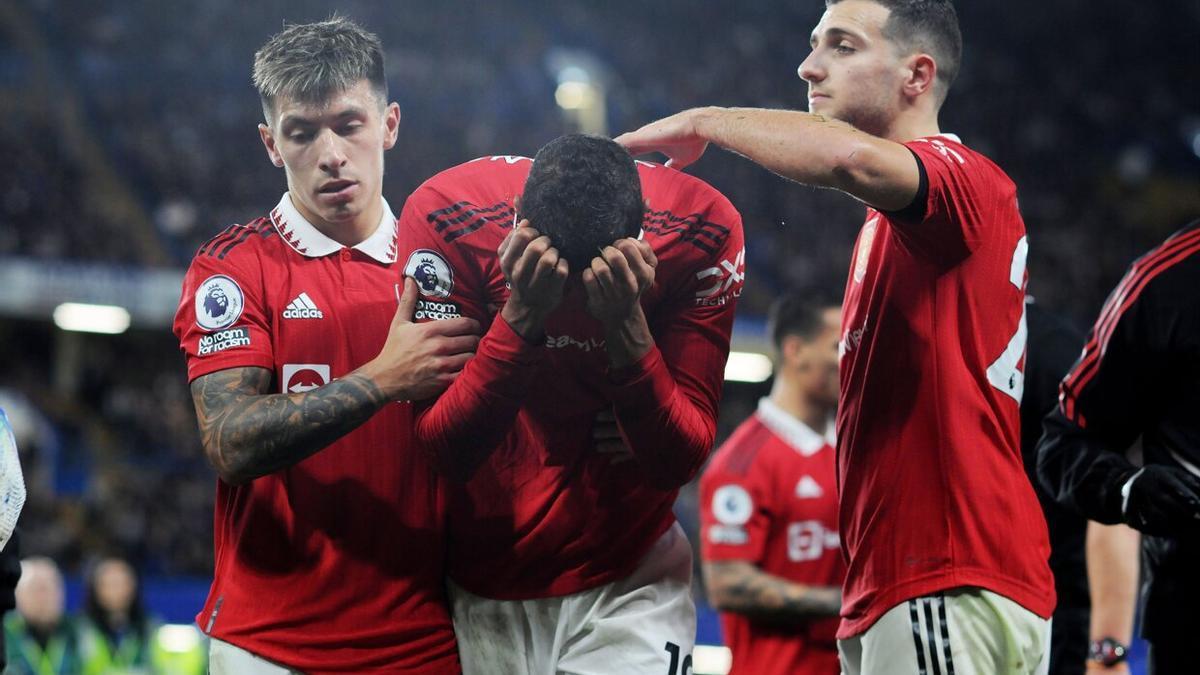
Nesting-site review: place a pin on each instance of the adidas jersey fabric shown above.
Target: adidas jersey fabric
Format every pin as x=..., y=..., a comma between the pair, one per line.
x=546, y=515
x=769, y=497
x=1138, y=376
x=932, y=349
x=314, y=563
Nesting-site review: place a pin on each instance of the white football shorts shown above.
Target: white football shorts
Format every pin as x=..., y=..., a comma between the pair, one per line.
x=644, y=623
x=228, y=659
x=963, y=631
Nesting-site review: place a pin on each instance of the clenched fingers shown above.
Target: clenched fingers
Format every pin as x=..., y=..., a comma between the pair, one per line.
x=546, y=265
x=525, y=268
x=514, y=246
x=620, y=280
x=601, y=277
x=641, y=259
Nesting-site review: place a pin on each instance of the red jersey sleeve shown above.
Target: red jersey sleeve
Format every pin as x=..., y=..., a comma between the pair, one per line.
x=456, y=276
x=960, y=189
x=666, y=404
x=222, y=320
x=735, y=515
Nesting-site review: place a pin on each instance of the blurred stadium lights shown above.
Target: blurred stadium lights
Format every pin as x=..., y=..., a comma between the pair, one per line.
x=747, y=367
x=581, y=92
x=575, y=95
x=178, y=638
x=33, y=289
x=85, y=318
x=711, y=660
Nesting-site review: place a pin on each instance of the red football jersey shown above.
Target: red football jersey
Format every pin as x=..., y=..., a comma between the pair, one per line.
x=546, y=515
x=934, y=494
x=336, y=563
x=769, y=497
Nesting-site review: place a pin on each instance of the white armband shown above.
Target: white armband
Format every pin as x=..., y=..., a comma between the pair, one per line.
x=12, y=483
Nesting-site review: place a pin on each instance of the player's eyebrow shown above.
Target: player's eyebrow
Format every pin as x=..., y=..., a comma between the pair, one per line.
x=835, y=33
x=352, y=111
x=293, y=119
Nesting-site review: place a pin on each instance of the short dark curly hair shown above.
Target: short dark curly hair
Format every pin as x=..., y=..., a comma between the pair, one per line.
x=584, y=192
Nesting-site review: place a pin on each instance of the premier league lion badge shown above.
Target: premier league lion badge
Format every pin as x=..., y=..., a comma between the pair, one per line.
x=219, y=303
x=431, y=272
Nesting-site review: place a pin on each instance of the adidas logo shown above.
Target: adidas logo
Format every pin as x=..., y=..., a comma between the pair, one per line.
x=807, y=488
x=302, y=308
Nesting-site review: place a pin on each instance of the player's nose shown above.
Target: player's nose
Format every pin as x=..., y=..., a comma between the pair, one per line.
x=332, y=155
x=810, y=69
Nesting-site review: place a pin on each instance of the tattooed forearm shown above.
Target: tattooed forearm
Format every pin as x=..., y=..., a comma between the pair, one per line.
x=248, y=432
x=741, y=587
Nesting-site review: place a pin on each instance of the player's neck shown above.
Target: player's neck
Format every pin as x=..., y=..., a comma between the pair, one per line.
x=348, y=232
x=912, y=124
x=790, y=399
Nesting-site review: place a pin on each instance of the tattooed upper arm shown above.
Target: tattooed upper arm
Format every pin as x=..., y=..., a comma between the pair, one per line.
x=219, y=394
x=726, y=577
x=249, y=432
x=742, y=587
x=247, y=381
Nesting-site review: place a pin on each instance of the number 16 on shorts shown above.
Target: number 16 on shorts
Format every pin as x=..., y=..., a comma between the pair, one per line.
x=678, y=666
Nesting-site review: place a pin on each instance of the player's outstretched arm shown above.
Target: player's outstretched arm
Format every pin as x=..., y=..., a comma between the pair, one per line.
x=807, y=148
x=249, y=432
x=740, y=586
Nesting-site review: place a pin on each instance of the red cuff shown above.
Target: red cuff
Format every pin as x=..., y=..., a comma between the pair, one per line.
x=505, y=344
x=645, y=385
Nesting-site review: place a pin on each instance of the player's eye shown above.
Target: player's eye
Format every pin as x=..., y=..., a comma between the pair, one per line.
x=352, y=127
x=300, y=136
x=844, y=49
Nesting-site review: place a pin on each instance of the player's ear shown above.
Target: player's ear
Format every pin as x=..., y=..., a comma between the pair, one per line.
x=790, y=349
x=391, y=125
x=921, y=75
x=268, y=140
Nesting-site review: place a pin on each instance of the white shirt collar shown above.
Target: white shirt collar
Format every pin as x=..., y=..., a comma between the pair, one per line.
x=307, y=240
x=797, y=434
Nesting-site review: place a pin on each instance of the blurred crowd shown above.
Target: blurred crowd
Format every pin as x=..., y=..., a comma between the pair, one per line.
x=129, y=133
x=111, y=634
x=113, y=462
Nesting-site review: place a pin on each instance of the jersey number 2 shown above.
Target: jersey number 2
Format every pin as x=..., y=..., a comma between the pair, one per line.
x=1004, y=374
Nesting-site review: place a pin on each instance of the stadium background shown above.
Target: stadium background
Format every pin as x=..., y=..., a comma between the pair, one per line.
x=127, y=138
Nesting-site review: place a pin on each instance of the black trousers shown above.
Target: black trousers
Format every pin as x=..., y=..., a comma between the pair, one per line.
x=1171, y=657
x=1069, y=641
